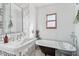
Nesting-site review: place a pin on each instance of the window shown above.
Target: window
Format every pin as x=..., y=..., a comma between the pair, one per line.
x=51, y=21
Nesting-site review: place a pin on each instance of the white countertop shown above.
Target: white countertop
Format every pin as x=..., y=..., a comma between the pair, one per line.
x=56, y=44
x=13, y=47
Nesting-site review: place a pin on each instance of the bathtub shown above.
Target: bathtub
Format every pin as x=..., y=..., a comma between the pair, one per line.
x=58, y=45
x=16, y=47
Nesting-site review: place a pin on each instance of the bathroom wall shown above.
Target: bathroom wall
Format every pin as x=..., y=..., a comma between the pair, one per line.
x=77, y=27
x=1, y=6
x=32, y=20
x=29, y=19
x=26, y=21
x=64, y=21
x=1, y=19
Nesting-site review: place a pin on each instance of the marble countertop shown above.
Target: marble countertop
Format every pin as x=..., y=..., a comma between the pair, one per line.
x=12, y=47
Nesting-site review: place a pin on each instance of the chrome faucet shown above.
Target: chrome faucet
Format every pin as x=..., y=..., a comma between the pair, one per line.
x=20, y=35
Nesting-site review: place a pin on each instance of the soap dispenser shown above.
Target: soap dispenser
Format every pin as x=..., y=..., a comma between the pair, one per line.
x=6, y=39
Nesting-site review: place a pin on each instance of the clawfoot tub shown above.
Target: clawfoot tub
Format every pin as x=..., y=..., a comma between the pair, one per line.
x=49, y=47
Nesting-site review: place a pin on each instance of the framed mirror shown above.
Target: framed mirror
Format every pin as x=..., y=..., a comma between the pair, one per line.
x=16, y=18
x=13, y=18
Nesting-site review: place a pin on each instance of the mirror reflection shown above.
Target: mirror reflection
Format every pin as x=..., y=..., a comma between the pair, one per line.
x=13, y=17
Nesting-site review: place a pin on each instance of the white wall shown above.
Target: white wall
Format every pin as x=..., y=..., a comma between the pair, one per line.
x=64, y=21
x=32, y=20
x=77, y=27
x=26, y=22
x=29, y=20
x=1, y=19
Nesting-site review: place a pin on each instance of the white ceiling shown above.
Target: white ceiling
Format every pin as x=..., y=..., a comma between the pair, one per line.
x=41, y=4
x=22, y=5
x=25, y=5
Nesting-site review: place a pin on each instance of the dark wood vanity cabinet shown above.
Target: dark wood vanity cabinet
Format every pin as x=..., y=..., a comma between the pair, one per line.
x=47, y=50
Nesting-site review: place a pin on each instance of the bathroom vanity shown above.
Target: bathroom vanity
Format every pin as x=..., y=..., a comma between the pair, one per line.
x=48, y=47
x=18, y=48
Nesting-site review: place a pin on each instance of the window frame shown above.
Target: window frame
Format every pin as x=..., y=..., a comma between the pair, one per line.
x=51, y=21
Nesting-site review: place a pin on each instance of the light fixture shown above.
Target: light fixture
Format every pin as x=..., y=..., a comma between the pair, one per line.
x=77, y=18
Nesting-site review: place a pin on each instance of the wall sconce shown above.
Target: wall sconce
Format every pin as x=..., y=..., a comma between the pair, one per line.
x=10, y=25
x=77, y=18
